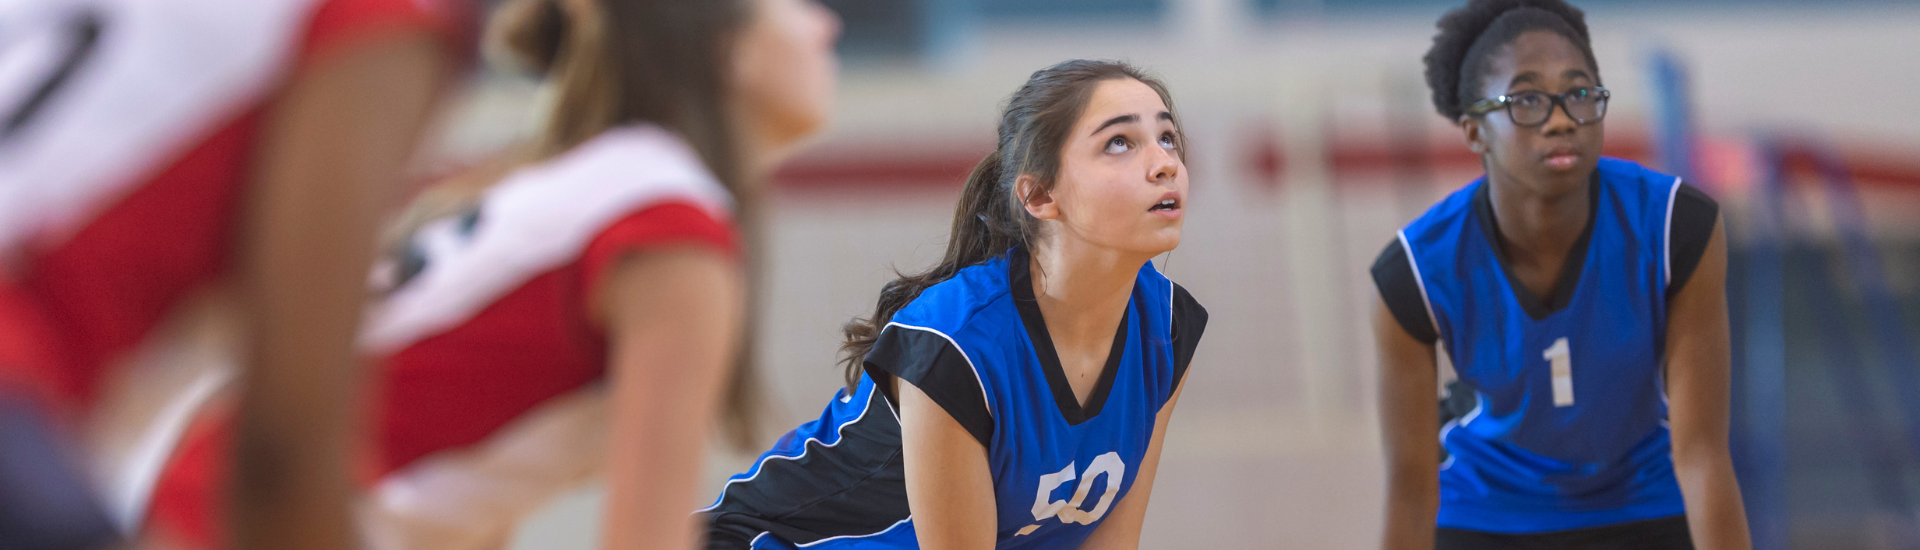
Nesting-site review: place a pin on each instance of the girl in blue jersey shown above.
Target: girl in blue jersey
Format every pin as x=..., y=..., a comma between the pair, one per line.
x=1581, y=302
x=1017, y=394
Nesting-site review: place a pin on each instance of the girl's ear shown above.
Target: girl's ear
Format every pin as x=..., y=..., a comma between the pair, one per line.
x=1471, y=129
x=1038, y=202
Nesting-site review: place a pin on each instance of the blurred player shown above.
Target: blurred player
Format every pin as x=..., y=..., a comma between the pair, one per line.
x=1017, y=394
x=155, y=152
x=581, y=311
x=1575, y=295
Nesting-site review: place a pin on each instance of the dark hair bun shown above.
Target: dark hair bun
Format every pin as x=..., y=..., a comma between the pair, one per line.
x=530, y=31
x=1453, y=56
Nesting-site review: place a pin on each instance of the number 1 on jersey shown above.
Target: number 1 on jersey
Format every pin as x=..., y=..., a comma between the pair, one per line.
x=1561, y=358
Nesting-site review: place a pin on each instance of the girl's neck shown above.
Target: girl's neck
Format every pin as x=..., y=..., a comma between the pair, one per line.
x=1082, y=290
x=1535, y=225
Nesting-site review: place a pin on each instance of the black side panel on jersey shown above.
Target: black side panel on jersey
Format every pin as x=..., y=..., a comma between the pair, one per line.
x=931, y=363
x=855, y=487
x=1693, y=216
x=1189, y=322
x=1393, y=276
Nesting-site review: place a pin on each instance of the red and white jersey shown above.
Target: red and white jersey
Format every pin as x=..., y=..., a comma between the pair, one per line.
x=127, y=132
x=124, y=152
x=490, y=395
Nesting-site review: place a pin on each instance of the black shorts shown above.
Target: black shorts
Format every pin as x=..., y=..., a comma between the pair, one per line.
x=45, y=501
x=1668, y=533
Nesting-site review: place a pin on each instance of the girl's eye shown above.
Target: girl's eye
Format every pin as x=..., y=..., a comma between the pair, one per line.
x=1168, y=141
x=1118, y=145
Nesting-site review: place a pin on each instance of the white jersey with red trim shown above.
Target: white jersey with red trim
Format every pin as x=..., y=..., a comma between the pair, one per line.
x=535, y=220
x=127, y=136
x=126, y=127
x=98, y=93
x=491, y=401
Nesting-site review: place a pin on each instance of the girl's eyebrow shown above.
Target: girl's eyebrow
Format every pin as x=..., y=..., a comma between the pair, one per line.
x=1128, y=119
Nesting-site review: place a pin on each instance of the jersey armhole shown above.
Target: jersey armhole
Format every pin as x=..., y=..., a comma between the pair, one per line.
x=936, y=365
x=1189, y=323
x=653, y=227
x=1690, y=228
x=1400, y=288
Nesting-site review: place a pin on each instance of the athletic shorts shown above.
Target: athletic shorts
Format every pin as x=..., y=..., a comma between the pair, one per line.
x=1668, y=533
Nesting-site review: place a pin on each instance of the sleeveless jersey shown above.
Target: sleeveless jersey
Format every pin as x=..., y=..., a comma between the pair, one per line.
x=1567, y=426
x=976, y=345
x=489, y=397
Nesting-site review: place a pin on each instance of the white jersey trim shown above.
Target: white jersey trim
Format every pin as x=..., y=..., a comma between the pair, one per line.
x=1414, y=266
x=1666, y=263
x=895, y=525
x=539, y=218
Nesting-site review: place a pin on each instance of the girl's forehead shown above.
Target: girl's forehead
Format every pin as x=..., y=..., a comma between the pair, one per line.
x=1121, y=97
x=1540, y=51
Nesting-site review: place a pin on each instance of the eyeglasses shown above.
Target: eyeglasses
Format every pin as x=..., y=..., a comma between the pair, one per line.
x=1584, y=105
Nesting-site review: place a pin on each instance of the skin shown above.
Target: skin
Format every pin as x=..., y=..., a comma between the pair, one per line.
x=328, y=166
x=1097, y=230
x=784, y=78
x=1699, y=380
x=675, y=316
x=1541, y=205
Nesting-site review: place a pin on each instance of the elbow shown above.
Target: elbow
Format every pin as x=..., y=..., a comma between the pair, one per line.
x=1701, y=454
x=1410, y=483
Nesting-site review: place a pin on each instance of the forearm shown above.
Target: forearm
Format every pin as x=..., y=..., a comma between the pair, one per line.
x=1699, y=385
x=290, y=488
x=949, y=484
x=330, y=160
x=675, y=317
x=652, y=493
x=665, y=398
x=1715, y=514
x=1121, y=530
x=1413, y=497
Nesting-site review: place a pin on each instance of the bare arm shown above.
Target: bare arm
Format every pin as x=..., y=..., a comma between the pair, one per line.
x=332, y=148
x=1409, y=416
x=1698, y=388
x=674, y=319
x=949, y=485
x=1121, y=529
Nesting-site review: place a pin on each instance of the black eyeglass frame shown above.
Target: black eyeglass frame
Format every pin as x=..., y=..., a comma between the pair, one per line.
x=1558, y=101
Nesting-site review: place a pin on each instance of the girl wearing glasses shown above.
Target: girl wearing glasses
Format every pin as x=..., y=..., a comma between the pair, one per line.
x=1581, y=302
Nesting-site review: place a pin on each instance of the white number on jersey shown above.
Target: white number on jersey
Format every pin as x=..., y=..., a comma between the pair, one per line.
x=1561, y=358
x=1069, y=511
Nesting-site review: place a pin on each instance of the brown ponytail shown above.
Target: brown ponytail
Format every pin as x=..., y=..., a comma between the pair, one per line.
x=989, y=219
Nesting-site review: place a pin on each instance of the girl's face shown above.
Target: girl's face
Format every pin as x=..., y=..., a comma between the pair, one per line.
x=1122, y=184
x=784, y=71
x=1552, y=158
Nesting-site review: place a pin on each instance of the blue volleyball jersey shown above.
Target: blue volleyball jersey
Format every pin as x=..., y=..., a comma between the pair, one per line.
x=977, y=346
x=1568, y=422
